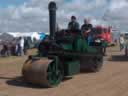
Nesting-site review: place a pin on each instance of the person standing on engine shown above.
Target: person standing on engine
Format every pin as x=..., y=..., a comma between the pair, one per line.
x=86, y=29
x=73, y=24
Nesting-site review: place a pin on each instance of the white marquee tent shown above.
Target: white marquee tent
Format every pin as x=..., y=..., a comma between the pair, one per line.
x=25, y=34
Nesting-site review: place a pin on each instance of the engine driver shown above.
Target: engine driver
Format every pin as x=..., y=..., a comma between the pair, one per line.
x=86, y=29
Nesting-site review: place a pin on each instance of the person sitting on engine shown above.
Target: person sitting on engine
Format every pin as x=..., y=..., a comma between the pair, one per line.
x=73, y=24
x=86, y=29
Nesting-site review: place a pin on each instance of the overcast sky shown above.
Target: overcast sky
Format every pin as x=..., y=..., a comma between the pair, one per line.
x=32, y=15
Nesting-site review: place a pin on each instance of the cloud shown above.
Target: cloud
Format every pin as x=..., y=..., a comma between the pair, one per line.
x=33, y=15
x=117, y=14
x=118, y=4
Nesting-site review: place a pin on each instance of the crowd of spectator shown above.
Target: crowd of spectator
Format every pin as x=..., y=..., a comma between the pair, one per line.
x=16, y=47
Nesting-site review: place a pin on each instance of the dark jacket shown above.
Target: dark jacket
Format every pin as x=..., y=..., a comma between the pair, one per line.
x=86, y=27
x=88, y=37
x=73, y=25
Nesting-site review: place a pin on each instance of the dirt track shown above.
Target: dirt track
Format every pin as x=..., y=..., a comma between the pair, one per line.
x=112, y=80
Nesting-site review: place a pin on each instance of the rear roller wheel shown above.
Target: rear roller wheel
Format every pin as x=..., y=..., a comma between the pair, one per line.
x=91, y=64
x=96, y=64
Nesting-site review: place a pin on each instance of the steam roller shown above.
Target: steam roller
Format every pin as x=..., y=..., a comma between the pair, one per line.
x=62, y=54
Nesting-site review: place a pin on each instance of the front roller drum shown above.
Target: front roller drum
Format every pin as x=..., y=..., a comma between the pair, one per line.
x=42, y=72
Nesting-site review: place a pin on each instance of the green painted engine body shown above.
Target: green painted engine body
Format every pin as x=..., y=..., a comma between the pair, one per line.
x=71, y=51
x=78, y=45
